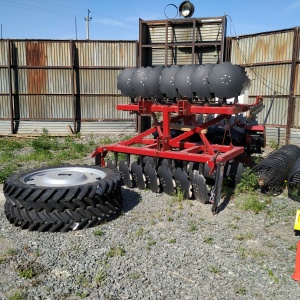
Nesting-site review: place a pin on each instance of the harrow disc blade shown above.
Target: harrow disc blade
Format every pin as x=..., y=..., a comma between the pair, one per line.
x=227, y=80
x=166, y=180
x=149, y=160
x=138, y=176
x=168, y=163
x=199, y=186
x=199, y=81
x=167, y=82
x=152, y=179
x=152, y=82
x=125, y=174
x=138, y=80
x=183, y=81
x=183, y=183
x=110, y=164
x=124, y=82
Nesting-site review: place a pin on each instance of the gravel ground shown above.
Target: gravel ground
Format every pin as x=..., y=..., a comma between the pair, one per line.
x=158, y=248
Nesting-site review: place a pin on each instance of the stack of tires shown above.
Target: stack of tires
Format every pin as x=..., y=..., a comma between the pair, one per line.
x=62, y=198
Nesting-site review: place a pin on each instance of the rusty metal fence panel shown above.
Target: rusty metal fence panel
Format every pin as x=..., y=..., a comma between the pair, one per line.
x=271, y=61
x=58, y=81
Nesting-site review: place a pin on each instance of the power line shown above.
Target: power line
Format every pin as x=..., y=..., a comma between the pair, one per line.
x=34, y=8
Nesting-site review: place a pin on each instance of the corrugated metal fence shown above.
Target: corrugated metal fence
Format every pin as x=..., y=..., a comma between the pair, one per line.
x=272, y=63
x=70, y=83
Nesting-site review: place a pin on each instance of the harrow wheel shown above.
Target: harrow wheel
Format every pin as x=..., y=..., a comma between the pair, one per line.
x=62, y=198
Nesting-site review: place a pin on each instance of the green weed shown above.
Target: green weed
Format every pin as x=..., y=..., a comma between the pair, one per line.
x=150, y=244
x=248, y=182
x=27, y=273
x=100, y=277
x=208, y=240
x=134, y=275
x=251, y=202
x=99, y=232
x=17, y=295
x=214, y=269
x=116, y=251
x=273, y=144
x=240, y=291
x=172, y=241
x=192, y=227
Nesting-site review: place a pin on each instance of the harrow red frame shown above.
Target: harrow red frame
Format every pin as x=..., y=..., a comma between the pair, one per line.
x=180, y=148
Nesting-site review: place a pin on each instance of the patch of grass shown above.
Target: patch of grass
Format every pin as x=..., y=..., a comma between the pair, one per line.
x=27, y=273
x=116, y=251
x=172, y=241
x=81, y=295
x=9, y=252
x=240, y=291
x=98, y=232
x=82, y=281
x=214, y=269
x=16, y=295
x=100, y=277
x=134, y=275
x=208, y=240
x=192, y=227
x=251, y=202
x=139, y=232
x=273, y=144
x=150, y=244
x=245, y=236
x=232, y=226
x=7, y=170
x=271, y=274
x=293, y=247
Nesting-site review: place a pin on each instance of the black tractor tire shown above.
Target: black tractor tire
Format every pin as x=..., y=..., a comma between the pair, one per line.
x=62, y=198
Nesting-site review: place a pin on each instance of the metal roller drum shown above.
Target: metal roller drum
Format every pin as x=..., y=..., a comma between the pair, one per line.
x=294, y=181
x=274, y=170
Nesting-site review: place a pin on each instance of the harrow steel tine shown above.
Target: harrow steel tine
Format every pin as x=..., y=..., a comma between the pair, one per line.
x=183, y=183
x=138, y=176
x=125, y=174
x=200, y=188
x=166, y=180
x=152, y=179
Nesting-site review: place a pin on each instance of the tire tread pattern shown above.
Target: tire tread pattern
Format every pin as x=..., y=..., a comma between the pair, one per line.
x=62, y=208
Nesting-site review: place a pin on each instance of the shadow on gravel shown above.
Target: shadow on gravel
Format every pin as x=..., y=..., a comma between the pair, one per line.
x=130, y=199
x=224, y=204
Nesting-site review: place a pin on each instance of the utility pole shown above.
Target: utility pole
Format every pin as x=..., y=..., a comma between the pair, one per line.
x=1, y=32
x=87, y=21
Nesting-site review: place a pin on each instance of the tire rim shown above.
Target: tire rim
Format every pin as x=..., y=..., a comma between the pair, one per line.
x=64, y=176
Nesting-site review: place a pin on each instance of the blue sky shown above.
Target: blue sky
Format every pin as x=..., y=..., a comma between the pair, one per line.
x=118, y=20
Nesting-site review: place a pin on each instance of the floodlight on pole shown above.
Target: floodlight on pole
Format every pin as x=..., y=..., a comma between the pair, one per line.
x=186, y=9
